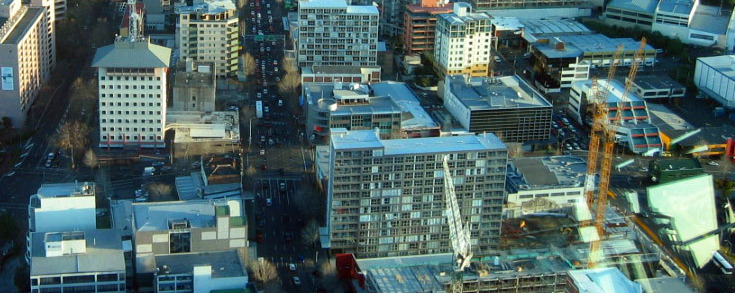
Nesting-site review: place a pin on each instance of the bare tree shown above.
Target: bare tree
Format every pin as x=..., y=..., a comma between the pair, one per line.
x=73, y=138
x=159, y=191
x=90, y=159
x=263, y=271
x=289, y=84
x=248, y=64
x=310, y=233
x=308, y=203
x=329, y=280
x=288, y=65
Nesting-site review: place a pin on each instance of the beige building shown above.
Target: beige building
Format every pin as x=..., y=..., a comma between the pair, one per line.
x=463, y=42
x=51, y=17
x=208, y=32
x=194, y=86
x=133, y=83
x=25, y=58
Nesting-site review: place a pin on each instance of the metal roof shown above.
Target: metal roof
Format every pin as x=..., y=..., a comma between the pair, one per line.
x=542, y=172
x=103, y=254
x=724, y=64
x=508, y=92
x=139, y=54
x=407, y=101
x=603, y=280
x=225, y=264
x=676, y=6
x=640, y=6
x=200, y=213
x=342, y=139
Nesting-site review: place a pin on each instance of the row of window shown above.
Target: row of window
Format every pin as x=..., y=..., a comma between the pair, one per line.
x=134, y=137
x=133, y=78
x=104, y=112
x=127, y=104
x=127, y=87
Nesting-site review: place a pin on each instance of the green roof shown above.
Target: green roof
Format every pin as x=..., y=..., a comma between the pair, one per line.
x=237, y=221
x=221, y=211
x=139, y=54
x=677, y=164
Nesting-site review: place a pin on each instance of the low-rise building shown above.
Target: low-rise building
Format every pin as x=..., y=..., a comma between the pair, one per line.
x=601, y=280
x=657, y=87
x=634, y=125
x=704, y=142
x=201, y=133
x=330, y=74
x=194, y=86
x=186, y=226
x=389, y=106
x=539, y=184
x=668, y=170
x=200, y=272
x=506, y=106
x=77, y=261
x=715, y=78
x=419, y=25
x=631, y=13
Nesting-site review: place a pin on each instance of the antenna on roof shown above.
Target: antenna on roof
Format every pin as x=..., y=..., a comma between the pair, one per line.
x=134, y=22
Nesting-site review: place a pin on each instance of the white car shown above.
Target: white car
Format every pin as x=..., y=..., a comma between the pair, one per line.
x=496, y=58
x=713, y=163
x=259, y=95
x=268, y=202
x=296, y=281
x=292, y=267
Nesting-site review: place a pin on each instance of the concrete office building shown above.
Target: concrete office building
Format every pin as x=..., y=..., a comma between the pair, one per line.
x=419, y=25
x=463, y=42
x=133, y=87
x=186, y=226
x=200, y=133
x=657, y=87
x=506, y=106
x=630, y=13
x=715, y=78
x=194, y=86
x=526, y=4
x=78, y=261
x=208, y=32
x=201, y=272
x=539, y=184
x=333, y=33
x=385, y=197
x=26, y=57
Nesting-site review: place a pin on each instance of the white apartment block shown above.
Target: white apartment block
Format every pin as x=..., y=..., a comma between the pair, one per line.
x=386, y=197
x=463, y=42
x=25, y=58
x=715, y=78
x=62, y=207
x=333, y=33
x=208, y=32
x=50, y=6
x=133, y=85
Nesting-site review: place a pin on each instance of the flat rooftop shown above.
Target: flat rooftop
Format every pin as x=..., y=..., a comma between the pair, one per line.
x=603, y=280
x=323, y=69
x=664, y=285
x=678, y=164
x=676, y=6
x=225, y=264
x=641, y=6
x=615, y=93
x=543, y=172
x=104, y=254
x=508, y=92
x=439, y=9
x=708, y=19
x=600, y=43
x=368, y=139
x=155, y=216
x=707, y=135
x=650, y=82
x=414, y=114
x=195, y=126
x=208, y=7
x=534, y=29
x=507, y=23
x=724, y=64
x=23, y=25
x=70, y=189
x=455, y=19
x=665, y=119
x=326, y=96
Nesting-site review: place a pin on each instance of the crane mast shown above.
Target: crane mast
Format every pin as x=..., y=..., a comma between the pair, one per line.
x=459, y=232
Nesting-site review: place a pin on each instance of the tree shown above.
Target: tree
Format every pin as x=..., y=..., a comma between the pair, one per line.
x=7, y=122
x=248, y=64
x=90, y=159
x=289, y=84
x=310, y=233
x=73, y=138
x=22, y=278
x=263, y=271
x=8, y=227
x=329, y=280
x=159, y=191
x=288, y=65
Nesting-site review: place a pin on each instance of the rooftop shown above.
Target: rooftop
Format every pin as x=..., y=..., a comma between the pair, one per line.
x=104, y=254
x=225, y=264
x=495, y=93
x=507, y=23
x=23, y=25
x=139, y=54
x=155, y=216
x=676, y=6
x=664, y=285
x=534, y=29
x=545, y=172
x=414, y=114
x=352, y=9
x=707, y=135
x=328, y=97
x=335, y=69
x=71, y=189
x=603, y=280
x=455, y=19
x=666, y=119
x=439, y=9
x=708, y=19
x=677, y=164
x=724, y=64
x=615, y=93
x=368, y=139
x=642, y=6
x=208, y=7
x=195, y=126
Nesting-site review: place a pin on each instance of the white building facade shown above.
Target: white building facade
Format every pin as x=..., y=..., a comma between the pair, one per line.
x=333, y=33
x=463, y=42
x=208, y=32
x=51, y=15
x=133, y=83
x=715, y=77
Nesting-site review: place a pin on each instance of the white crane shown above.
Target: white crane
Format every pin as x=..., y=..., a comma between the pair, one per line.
x=459, y=232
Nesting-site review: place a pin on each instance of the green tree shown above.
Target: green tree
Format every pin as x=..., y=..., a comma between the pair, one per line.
x=22, y=278
x=8, y=227
x=7, y=122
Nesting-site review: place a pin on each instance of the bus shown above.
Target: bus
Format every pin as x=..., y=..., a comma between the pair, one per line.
x=259, y=109
x=722, y=263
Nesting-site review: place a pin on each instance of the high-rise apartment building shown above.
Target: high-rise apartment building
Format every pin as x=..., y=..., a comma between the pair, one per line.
x=386, y=197
x=133, y=83
x=25, y=57
x=419, y=25
x=51, y=16
x=333, y=33
x=463, y=42
x=208, y=32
